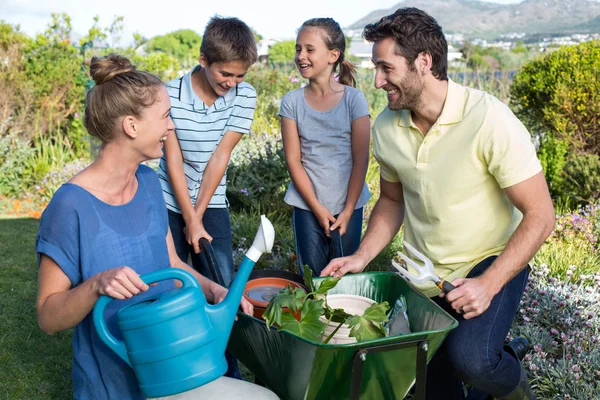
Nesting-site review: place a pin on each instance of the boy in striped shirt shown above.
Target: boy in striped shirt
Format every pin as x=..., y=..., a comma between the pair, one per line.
x=212, y=107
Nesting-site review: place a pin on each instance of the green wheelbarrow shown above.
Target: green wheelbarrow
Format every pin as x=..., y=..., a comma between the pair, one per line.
x=298, y=369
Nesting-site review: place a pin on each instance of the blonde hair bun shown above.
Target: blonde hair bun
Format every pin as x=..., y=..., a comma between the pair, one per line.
x=106, y=68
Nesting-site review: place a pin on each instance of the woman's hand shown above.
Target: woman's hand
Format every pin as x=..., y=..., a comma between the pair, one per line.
x=324, y=217
x=194, y=230
x=219, y=293
x=120, y=283
x=341, y=222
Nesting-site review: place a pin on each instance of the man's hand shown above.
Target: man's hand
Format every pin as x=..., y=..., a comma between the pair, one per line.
x=339, y=267
x=194, y=230
x=471, y=297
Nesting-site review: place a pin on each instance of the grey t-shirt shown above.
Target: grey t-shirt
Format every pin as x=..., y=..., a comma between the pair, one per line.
x=326, y=147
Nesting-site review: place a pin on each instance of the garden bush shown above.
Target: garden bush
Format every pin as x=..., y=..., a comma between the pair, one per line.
x=559, y=94
x=15, y=174
x=257, y=176
x=582, y=178
x=574, y=245
x=560, y=319
x=558, y=97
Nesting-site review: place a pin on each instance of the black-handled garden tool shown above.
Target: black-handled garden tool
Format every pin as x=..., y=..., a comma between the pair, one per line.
x=211, y=260
x=425, y=272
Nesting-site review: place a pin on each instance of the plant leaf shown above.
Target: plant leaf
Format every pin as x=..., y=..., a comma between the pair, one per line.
x=310, y=325
x=369, y=325
x=336, y=314
x=326, y=285
x=287, y=297
x=308, y=281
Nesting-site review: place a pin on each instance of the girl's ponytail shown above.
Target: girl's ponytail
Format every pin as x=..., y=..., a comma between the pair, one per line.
x=347, y=72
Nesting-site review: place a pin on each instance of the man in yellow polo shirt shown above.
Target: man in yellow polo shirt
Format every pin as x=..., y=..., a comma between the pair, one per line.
x=460, y=171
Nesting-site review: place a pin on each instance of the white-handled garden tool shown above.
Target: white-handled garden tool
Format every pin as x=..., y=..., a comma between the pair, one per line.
x=425, y=272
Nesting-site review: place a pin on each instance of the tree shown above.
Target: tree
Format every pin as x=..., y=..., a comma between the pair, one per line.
x=184, y=45
x=282, y=52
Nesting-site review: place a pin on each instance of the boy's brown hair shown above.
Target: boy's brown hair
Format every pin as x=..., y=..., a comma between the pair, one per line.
x=227, y=40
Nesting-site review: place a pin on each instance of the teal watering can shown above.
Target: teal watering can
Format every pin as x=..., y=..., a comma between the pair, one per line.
x=175, y=341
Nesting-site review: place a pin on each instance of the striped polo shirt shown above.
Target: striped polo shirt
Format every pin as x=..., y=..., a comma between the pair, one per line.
x=199, y=130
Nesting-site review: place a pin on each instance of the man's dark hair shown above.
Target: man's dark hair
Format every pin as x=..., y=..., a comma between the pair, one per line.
x=415, y=32
x=227, y=40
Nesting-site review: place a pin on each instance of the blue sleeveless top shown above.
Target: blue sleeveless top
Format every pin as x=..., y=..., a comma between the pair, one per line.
x=86, y=236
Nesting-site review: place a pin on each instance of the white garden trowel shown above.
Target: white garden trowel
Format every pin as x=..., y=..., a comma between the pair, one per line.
x=424, y=273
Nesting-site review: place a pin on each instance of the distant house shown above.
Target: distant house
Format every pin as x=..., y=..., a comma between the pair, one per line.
x=362, y=49
x=263, y=49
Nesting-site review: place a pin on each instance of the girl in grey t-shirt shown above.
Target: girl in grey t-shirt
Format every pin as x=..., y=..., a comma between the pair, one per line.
x=326, y=131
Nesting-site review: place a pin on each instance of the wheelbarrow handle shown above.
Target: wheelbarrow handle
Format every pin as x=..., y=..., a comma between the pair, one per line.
x=211, y=260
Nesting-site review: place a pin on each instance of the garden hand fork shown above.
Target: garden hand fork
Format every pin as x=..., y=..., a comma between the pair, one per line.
x=425, y=271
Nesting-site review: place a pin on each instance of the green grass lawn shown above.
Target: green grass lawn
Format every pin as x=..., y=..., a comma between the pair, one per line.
x=33, y=364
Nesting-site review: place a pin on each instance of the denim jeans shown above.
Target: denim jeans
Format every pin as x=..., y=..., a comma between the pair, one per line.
x=314, y=248
x=473, y=352
x=218, y=225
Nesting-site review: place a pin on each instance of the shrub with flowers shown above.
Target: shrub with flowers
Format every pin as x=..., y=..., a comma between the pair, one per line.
x=560, y=319
x=574, y=245
x=55, y=178
x=257, y=176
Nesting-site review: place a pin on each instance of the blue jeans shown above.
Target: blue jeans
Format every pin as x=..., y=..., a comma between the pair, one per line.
x=218, y=225
x=473, y=352
x=314, y=248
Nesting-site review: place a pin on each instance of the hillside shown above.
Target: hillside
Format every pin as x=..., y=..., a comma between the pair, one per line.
x=475, y=18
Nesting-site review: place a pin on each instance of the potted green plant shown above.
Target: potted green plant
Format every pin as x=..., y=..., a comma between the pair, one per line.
x=316, y=314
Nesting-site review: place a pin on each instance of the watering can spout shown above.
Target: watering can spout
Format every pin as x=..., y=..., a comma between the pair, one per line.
x=223, y=314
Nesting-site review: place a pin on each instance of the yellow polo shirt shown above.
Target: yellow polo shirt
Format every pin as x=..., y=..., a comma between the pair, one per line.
x=457, y=213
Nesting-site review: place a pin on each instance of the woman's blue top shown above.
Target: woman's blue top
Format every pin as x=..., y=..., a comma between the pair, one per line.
x=86, y=236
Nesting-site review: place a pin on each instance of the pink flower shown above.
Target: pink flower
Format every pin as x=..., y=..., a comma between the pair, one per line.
x=532, y=367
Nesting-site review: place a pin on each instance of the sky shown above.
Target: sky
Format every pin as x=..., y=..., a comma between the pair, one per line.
x=277, y=19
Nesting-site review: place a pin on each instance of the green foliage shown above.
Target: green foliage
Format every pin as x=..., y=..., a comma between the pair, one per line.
x=369, y=326
x=572, y=248
x=163, y=65
x=257, y=176
x=243, y=226
x=313, y=307
x=15, y=173
x=287, y=298
x=582, y=178
x=183, y=45
x=282, y=52
x=51, y=154
x=553, y=153
x=559, y=94
x=310, y=326
x=559, y=317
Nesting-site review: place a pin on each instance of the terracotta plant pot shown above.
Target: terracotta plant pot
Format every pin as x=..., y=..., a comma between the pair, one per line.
x=263, y=285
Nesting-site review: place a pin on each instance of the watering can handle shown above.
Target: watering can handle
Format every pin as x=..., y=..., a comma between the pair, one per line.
x=118, y=346
x=211, y=260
